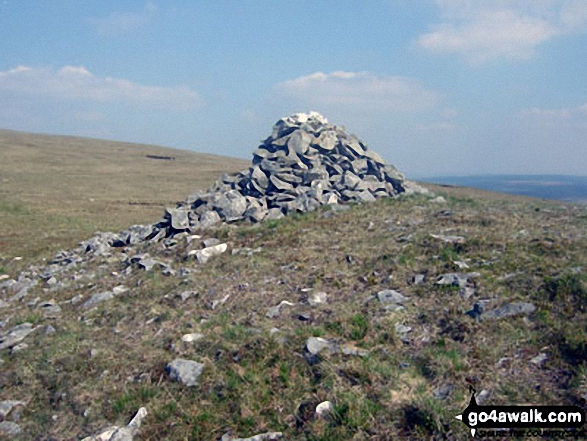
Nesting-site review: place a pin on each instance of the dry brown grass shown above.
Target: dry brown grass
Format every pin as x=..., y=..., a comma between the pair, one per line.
x=58, y=190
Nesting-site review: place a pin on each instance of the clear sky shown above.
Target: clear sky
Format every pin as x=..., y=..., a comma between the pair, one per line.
x=437, y=87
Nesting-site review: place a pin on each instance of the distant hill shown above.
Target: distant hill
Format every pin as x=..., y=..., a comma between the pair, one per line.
x=58, y=190
x=557, y=187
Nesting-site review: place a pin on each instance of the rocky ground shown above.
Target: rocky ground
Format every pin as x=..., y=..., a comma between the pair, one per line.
x=353, y=321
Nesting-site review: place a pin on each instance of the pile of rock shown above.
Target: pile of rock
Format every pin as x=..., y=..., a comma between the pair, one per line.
x=305, y=163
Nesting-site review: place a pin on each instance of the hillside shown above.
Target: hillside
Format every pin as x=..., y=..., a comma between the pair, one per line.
x=57, y=190
x=415, y=298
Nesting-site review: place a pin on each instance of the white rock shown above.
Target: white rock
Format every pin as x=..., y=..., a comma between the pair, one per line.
x=204, y=255
x=324, y=408
x=318, y=298
x=190, y=338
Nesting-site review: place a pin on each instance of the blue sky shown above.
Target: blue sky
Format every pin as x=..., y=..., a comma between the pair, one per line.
x=437, y=87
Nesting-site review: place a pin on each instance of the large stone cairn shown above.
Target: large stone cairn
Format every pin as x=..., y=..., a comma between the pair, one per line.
x=305, y=163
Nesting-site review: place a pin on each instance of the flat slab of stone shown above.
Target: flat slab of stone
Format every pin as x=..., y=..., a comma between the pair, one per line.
x=509, y=310
x=98, y=298
x=15, y=335
x=185, y=371
x=268, y=436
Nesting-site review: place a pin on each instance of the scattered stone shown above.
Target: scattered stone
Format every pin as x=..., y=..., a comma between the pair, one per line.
x=539, y=359
x=220, y=302
x=443, y=392
x=418, y=279
x=115, y=433
x=456, y=279
x=190, y=338
x=7, y=406
x=324, y=409
x=98, y=298
x=204, y=255
x=269, y=436
x=275, y=311
x=50, y=310
x=49, y=330
x=509, y=310
x=482, y=397
x=185, y=371
x=178, y=218
x=318, y=298
x=315, y=345
x=391, y=297
x=449, y=239
x=186, y=295
x=402, y=332
x=461, y=265
x=353, y=350
x=466, y=292
x=75, y=300
x=120, y=289
x=15, y=335
x=9, y=428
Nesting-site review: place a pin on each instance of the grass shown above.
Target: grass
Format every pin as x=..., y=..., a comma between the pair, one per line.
x=257, y=381
x=56, y=191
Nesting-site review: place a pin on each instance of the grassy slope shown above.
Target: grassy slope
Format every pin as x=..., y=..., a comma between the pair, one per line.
x=57, y=190
x=253, y=382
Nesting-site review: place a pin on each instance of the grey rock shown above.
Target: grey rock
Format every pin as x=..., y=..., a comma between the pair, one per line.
x=98, y=298
x=279, y=184
x=259, y=177
x=268, y=436
x=185, y=371
x=456, y=279
x=9, y=428
x=539, y=359
x=275, y=311
x=7, y=406
x=353, y=350
x=449, y=239
x=210, y=242
x=231, y=205
x=221, y=301
x=50, y=310
x=115, y=433
x=299, y=142
x=274, y=214
x=209, y=219
x=509, y=310
x=178, y=218
x=19, y=347
x=49, y=330
x=402, y=332
x=315, y=345
x=15, y=335
x=390, y=296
